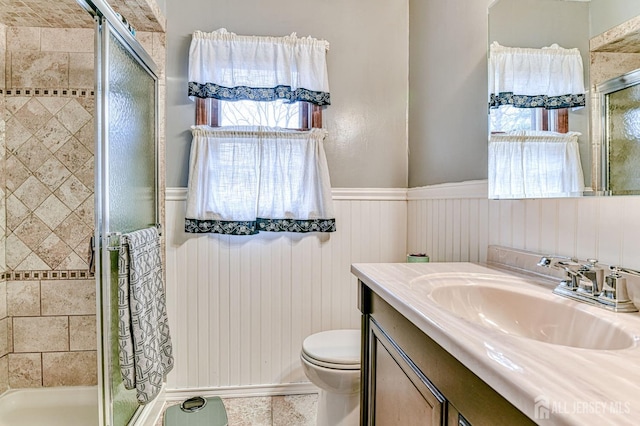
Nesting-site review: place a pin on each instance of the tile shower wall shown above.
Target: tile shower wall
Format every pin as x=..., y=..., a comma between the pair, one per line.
x=4, y=320
x=50, y=296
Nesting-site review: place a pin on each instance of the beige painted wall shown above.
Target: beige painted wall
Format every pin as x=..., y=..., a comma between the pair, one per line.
x=606, y=14
x=367, y=61
x=448, y=91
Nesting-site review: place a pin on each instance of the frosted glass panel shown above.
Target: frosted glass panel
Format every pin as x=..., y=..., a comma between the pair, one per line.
x=131, y=180
x=131, y=112
x=623, y=120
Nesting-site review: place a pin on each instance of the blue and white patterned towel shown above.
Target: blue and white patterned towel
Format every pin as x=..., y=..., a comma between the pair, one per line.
x=144, y=342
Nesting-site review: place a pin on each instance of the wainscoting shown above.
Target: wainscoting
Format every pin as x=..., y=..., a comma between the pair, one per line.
x=239, y=307
x=449, y=221
x=455, y=222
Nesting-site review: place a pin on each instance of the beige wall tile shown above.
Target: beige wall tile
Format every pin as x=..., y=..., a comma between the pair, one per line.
x=52, y=211
x=23, y=298
x=23, y=38
x=52, y=173
x=17, y=251
x=10, y=335
x=74, y=115
x=68, y=297
x=16, y=173
x=39, y=69
x=3, y=299
x=4, y=373
x=3, y=65
x=53, y=251
x=86, y=209
x=32, y=263
x=53, y=104
x=53, y=134
x=33, y=115
x=32, y=153
x=17, y=212
x=73, y=261
x=3, y=37
x=40, y=334
x=32, y=231
x=69, y=368
x=159, y=53
x=67, y=40
x=73, y=192
x=74, y=231
x=16, y=134
x=73, y=154
x=4, y=337
x=83, y=333
x=25, y=370
x=81, y=70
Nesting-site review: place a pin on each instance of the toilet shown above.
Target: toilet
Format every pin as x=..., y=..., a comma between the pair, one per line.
x=331, y=361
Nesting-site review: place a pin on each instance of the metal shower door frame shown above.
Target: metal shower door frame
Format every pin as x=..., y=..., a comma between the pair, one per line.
x=108, y=23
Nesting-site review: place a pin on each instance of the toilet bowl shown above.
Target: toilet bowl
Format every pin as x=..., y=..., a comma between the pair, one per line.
x=331, y=361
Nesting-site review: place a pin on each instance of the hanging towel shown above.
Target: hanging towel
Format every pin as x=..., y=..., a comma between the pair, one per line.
x=145, y=350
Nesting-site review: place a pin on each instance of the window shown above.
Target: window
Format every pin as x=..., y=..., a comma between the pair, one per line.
x=507, y=118
x=257, y=158
x=298, y=115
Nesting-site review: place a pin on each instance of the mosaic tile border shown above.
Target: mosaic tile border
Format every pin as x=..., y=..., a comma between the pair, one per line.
x=46, y=275
x=52, y=92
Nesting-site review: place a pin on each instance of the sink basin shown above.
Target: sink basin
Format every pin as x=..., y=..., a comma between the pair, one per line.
x=527, y=314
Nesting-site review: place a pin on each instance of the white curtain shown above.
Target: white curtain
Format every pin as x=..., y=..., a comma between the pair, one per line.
x=550, y=77
x=247, y=179
x=226, y=66
x=526, y=164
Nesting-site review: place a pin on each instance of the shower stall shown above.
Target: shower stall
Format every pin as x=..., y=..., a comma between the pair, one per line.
x=80, y=137
x=620, y=114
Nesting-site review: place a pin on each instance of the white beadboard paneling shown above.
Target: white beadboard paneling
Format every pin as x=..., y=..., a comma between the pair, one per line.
x=239, y=307
x=630, y=255
x=440, y=218
x=449, y=222
x=610, y=230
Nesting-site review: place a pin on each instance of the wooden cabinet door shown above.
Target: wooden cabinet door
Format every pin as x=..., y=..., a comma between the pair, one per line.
x=401, y=394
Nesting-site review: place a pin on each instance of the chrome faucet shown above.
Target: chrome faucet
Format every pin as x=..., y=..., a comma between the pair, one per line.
x=586, y=282
x=592, y=278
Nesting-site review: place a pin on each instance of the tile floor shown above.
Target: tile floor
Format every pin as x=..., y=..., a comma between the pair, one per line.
x=290, y=410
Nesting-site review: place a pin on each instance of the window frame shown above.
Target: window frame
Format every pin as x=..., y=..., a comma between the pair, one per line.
x=548, y=120
x=208, y=113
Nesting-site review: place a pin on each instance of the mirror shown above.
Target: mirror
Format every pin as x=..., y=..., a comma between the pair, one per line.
x=607, y=35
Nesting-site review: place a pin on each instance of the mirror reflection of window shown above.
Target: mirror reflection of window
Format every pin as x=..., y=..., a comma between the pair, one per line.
x=508, y=118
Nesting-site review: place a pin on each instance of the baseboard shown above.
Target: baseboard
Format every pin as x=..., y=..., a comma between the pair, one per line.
x=242, y=391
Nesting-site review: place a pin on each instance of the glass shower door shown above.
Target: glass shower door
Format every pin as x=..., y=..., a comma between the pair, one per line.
x=623, y=141
x=126, y=188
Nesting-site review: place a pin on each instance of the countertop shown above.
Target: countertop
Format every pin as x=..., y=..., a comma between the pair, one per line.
x=569, y=385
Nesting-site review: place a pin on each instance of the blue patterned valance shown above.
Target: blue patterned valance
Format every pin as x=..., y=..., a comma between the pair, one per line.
x=223, y=65
x=540, y=101
x=286, y=93
x=196, y=226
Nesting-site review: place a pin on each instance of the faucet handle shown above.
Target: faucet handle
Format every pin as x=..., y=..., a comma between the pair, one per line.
x=614, y=292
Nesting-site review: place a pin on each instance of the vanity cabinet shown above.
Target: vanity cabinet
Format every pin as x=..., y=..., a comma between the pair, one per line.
x=408, y=379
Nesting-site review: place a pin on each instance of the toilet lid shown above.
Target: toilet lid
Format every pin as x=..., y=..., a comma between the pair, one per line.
x=340, y=347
